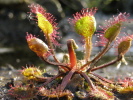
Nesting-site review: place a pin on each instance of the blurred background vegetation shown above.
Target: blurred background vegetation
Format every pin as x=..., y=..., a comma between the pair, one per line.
x=15, y=22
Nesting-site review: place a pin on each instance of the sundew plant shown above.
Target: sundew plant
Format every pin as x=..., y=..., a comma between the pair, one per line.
x=76, y=79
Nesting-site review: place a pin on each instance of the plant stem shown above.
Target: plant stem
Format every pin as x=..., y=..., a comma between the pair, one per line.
x=51, y=48
x=66, y=79
x=101, y=53
x=107, y=64
x=88, y=80
x=88, y=48
x=52, y=78
x=54, y=63
x=96, y=79
x=97, y=57
x=102, y=78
